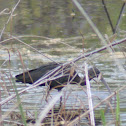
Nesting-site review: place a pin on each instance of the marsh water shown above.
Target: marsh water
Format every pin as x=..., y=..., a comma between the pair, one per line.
x=57, y=36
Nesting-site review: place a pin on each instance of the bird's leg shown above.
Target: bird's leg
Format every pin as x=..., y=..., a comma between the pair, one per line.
x=60, y=102
x=109, y=90
x=47, y=94
x=48, y=90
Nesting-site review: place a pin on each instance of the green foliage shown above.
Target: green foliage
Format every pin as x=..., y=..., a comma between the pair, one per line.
x=20, y=105
x=117, y=110
x=103, y=117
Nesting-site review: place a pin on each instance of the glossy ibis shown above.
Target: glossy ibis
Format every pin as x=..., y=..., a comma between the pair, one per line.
x=68, y=75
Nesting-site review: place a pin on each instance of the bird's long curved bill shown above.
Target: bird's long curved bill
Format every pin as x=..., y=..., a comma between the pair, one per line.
x=106, y=85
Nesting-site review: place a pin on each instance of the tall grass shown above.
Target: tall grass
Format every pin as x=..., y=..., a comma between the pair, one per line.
x=103, y=117
x=117, y=110
x=20, y=105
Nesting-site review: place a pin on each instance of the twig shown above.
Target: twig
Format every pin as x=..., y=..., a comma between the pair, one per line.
x=90, y=104
x=110, y=22
x=9, y=18
x=119, y=18
x=1, y=122
x=4, y=11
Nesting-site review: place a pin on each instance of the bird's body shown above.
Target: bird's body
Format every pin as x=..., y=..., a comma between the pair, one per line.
x=33, y=75
x=68, y=75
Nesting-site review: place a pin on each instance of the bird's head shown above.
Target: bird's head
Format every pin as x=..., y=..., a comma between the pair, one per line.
x=92, y=73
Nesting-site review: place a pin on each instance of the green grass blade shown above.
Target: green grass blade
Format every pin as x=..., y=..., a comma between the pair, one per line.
x=103, y=117
x=19, y=102
x=117, y=110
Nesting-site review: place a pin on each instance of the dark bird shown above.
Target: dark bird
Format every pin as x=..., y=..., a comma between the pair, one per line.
x=68, y=75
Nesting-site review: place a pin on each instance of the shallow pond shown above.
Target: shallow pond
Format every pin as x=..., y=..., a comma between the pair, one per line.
x=70, y=37
x=74, y=97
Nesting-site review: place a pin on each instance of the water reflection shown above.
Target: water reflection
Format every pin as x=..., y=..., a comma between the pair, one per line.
x=53, y=19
